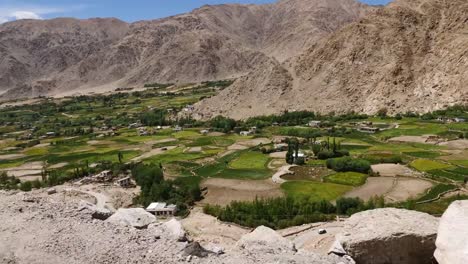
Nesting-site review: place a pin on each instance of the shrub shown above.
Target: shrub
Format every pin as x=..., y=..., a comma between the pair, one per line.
x=26, y=186
x=349, y=164
x=332, y=154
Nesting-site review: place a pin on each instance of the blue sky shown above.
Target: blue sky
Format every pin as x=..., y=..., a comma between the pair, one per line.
x=128, y=10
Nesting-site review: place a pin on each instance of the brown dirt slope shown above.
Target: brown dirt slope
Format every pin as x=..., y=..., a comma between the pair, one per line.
x=411, y=55
x=57, y=56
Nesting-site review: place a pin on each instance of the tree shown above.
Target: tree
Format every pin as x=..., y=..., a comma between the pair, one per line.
x=120, y=156
x=382, y=113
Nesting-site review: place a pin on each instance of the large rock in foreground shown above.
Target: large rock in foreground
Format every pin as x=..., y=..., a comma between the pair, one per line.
x=264, y=239
x=390, y=236
x=136, y=217
x=452, y=237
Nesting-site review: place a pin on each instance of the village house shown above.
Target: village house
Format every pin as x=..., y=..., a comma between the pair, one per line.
x=125, y=182
x=50, y=134
x=245, y=133
x=315, y=123
x=459, y=120
x=204, y=132
x=162, y=209
x=103, y=176
x=371, y=130
x=177, y=128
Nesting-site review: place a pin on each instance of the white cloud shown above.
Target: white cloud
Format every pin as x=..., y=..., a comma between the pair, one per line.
x=25, y=15
x=13, y=12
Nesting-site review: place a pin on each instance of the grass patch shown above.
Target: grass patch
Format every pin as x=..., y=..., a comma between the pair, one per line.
x=439, y=207
x=423, y=154
x=314, y=191
x=317, y=162
x=428, y=165
x=463, y=163
x=222, y=169
x=250, y=160
x=436, y=190
x=449, y=174
x=347, y=178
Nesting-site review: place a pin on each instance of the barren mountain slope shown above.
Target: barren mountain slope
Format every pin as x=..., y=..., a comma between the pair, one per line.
x=411, y=55
x=212, y=42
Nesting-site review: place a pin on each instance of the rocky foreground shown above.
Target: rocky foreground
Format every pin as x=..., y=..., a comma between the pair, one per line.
x=58, y=228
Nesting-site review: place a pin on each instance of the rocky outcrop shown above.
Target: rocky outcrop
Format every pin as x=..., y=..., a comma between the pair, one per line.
x=264, y=239
x=135, y=217
x=389, y=235
x=173, y=228
x=452, y=236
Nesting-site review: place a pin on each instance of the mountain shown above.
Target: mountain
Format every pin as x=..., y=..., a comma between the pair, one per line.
x=64, y=56
x=411, y=55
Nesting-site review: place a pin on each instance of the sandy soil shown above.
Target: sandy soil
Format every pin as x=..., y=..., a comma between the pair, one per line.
x=456, y=155
x=194, y=149
x=411, y=139
x=166, y=140
x=237, y=146
x=456, y=144
x=224, y=191
x=27, y=171
x=393, y=189
x=392, y=170
x=11, y=156
x=99, y=142
x=216, y=134
x=153, y=152
x=374, y=186
x=276, y=163
x=407, y=188
x=278, y=155
x=207, y=229
x=276, y=178
x=312, y=241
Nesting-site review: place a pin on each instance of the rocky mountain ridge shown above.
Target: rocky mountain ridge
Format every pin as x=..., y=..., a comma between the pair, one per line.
x=61, y=56
x=408, y=56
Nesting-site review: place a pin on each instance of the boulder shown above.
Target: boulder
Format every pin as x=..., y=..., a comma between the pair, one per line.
x=175, y=230
x=452, y=236
x=135, y=217
x=101, y=214
x=266, y=240
x=195, y=249
x=51, y=191
x=389, y=235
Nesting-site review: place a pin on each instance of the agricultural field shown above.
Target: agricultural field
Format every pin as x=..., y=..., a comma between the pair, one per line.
x=410, y=158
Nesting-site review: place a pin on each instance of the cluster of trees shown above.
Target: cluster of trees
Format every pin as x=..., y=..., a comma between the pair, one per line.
x=278, y=213
x=158, y=85
x=349, y=164
x=328, y=150
x=292, y=156
x=156, y=117
x=221, y=123
x=154, y=188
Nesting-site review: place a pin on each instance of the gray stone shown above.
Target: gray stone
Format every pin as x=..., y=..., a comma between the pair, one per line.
x=266, y=240
x=390, y=235
x=452, y=236
x=175, y=230
x=135, y=217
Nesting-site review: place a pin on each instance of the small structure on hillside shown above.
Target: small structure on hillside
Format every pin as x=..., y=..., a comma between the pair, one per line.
x=50, y=134
x=177, y=128
x=103, y=176
x=204, y=132
x=162, y=209
x=125, y=182
x=315, y=123
x=371, y=130
x=245, y=133
x=281, y=147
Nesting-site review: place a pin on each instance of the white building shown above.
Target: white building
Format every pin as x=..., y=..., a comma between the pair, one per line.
x=162, y=209
x=315, y=123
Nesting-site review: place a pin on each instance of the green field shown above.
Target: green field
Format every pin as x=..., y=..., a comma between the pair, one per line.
x=314, y=191
x=347, y=178
x=428, y=165
x=250, y=160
